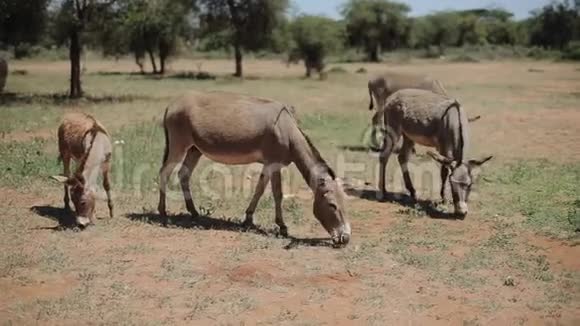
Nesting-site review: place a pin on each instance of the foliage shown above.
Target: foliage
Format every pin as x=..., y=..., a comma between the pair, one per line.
x=553, y=26
x=376, y=24
x=314, y=37
x=471, y=30
x=243, y=24
x=501, y=32
x=440, y=29
x=22, y=23
x=145, y=27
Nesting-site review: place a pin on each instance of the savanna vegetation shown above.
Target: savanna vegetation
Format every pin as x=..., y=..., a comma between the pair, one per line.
x=369, y=30
x=513, y=260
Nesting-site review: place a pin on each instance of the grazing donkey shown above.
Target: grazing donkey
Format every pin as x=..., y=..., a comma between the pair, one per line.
x=431, y=120
x=381, y=87
x=237, y=129
x=85, y=140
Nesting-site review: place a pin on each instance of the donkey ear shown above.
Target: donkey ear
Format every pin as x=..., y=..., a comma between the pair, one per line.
x=59, y=178
x=67, y=181
x=441, y=159
x=476, y=163
x=474, y=118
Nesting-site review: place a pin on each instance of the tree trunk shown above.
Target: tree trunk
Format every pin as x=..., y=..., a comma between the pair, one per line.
x=308, y=68
x=441, y=49
x=237, y=24
x=153, y=63
x=75, y=49
x=238, y=54
x=162, y=64
x=139, y=62
x=164, y=50
x=375, y=53
x=3, y=73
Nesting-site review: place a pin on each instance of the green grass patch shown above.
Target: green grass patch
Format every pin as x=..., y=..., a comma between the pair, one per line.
x=22, y=163
x=28, y=117
x=547, y=194
x=328, y=128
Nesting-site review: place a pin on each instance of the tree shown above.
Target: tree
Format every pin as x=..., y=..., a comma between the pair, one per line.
x=471, y=30
x=245, y=24
x=72, y=21
x=376, y=24
x=501, y=32
x=22, y=23
x=314, y=37
x=142, y=27
x=440, y=29
x=553, y=26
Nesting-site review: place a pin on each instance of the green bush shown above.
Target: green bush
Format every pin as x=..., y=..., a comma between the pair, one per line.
x=572, y=52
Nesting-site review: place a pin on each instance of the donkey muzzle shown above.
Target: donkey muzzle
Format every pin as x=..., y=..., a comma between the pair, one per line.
x=83, y=221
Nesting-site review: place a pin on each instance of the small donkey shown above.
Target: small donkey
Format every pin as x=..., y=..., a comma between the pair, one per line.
x=432, y=120
x=82, y=138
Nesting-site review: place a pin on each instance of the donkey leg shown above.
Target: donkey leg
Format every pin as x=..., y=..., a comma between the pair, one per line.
x=66, y=170
x=107, y=186
x=173, y=157
x=404, y=155
x=444, y=175
x=391, y=138
x=277, y=192
x=260, y=187
x=189, y=163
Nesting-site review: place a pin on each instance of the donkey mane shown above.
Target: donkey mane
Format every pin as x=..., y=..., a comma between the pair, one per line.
x=317, y=155
x=95, y=129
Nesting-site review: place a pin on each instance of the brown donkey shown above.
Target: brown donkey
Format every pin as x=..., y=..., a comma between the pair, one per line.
x=236, y=129
x=83, y=139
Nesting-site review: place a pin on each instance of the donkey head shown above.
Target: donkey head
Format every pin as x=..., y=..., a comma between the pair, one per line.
x=328, y=208
x=82, y=196
x=461, y=178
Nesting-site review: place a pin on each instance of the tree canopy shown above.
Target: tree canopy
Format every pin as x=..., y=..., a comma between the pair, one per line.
x=376, y=24
x=243, y=24
x=313, y=38
x=22, y=23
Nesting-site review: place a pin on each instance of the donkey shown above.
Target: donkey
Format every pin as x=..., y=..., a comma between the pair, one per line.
x=381, y=87
x=85, y=140
x=432, y=120
x=238, y=129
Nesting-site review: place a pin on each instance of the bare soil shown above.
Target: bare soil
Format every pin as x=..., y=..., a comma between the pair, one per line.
x=129, y=271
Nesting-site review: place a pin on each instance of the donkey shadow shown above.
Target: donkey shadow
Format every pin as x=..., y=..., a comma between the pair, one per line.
x=64, y=217
x=206, y=222
x=426, y=206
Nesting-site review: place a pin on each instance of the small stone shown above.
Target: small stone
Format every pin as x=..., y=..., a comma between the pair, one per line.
x=509, y=281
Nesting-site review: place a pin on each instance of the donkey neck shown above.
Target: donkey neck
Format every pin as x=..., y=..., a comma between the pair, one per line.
x=308, y=160
x=96, y=152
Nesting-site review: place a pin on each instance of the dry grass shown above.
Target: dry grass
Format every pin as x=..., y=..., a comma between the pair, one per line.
x=401, y=267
